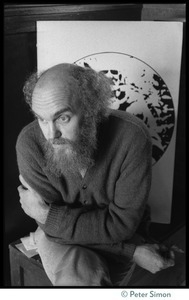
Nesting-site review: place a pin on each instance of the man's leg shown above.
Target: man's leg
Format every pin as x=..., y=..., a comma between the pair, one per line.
x=68, y=265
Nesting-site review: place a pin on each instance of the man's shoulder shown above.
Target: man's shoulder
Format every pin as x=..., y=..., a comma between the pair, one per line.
x=28, y=134
x=128, y=123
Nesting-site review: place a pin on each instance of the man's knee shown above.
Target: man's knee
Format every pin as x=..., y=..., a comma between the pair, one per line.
x=81, y=267
x=62, y=279
x=68, y=265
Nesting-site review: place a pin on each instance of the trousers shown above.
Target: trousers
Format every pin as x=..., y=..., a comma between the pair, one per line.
x=71, y=265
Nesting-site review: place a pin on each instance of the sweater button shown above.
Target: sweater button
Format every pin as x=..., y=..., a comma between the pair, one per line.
x=84, y=187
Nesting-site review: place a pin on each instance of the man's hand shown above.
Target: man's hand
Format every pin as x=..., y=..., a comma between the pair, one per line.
x=32, y=203
x=148, y=257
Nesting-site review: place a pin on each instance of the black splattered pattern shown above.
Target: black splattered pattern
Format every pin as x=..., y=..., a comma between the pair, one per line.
x=145, y=95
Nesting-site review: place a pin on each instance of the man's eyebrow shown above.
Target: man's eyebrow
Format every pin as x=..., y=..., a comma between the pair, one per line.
x=57, y=114
x=61, y=111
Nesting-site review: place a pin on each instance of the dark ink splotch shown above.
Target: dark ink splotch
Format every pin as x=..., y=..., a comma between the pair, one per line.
x=121, y=95
x=123, y=106
x=86, y=65
x=156, y=152
x=114, y=72
x=165, y=135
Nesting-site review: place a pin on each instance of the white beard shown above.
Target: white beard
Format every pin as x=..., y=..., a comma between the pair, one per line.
x=62, y=159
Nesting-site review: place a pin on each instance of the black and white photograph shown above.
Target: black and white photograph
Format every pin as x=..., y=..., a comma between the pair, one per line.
x=94, y=149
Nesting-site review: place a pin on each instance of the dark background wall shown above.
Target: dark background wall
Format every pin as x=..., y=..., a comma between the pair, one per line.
x=19, y=60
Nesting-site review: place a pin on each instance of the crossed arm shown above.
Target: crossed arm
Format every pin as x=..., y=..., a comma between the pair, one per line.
x=32, y=203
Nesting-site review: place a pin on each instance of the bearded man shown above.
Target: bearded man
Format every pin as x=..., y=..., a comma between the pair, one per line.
x=86, y=173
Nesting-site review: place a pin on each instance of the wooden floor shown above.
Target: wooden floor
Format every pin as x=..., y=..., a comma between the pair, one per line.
x=173, y=276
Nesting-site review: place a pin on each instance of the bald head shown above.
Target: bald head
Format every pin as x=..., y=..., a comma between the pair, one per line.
x=59, y=75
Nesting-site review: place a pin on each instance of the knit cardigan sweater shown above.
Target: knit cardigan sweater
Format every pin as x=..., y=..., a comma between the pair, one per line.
x=103, y=209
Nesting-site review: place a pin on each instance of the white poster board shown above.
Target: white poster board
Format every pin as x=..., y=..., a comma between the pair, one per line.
x=144, y=60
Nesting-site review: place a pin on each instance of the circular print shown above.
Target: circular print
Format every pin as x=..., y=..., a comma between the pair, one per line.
x=139, y=90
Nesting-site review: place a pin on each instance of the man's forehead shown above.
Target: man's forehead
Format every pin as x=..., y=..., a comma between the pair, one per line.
x=53, y=115
x=56, y=87
x=53, y=88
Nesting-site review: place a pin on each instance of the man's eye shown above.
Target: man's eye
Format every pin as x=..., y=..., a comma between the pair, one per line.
x=64, y=119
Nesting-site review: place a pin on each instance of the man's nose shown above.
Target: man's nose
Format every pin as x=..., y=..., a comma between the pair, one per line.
x=53, y=131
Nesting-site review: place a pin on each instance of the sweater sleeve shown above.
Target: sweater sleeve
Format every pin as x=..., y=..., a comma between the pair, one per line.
x=117, y=221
